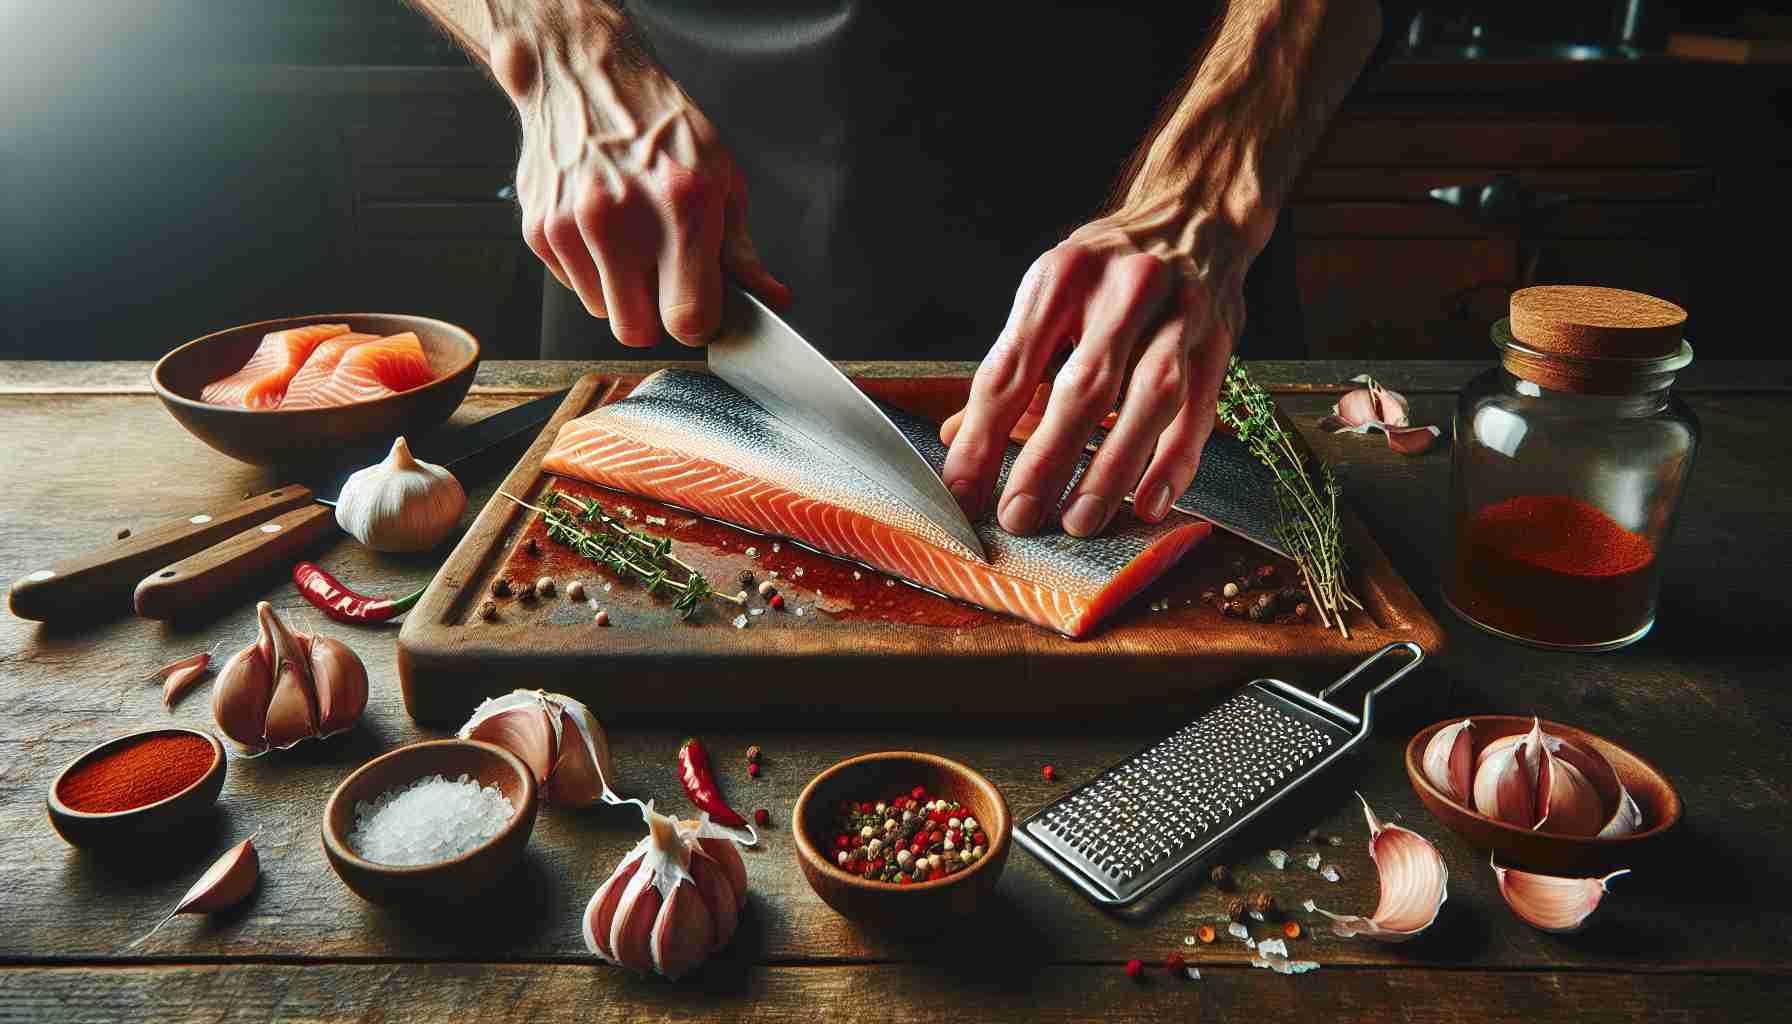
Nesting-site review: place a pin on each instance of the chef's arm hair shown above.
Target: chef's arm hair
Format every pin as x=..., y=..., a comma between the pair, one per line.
x=1232, y=137
x=484, y=26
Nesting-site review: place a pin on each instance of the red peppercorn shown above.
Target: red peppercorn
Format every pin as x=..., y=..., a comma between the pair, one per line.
x=865, y=808
x=876, y=865
x=953, y=836
x=1050, y=773
x=762, y=817
x=753, y=769
x=1174, y=964
x=776, y=602
x=919, y=792
x=1135, y=970
x=842, y=842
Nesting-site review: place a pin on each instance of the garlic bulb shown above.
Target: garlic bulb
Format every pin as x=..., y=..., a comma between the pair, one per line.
x=672, y=902
x=1543, y=782
x=400, y=504
x=556, y=736
x=288, y=687
x=1414, y=885
x=1549, y=903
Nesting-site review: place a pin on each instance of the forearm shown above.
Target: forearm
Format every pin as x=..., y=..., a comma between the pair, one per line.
x=515, y=38
x=1233, y=138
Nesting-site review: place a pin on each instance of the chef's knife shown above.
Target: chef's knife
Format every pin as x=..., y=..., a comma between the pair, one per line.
x=764, y=359
x=205, y=553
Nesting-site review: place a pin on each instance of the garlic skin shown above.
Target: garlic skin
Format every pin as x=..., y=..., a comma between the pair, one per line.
x=288, y=687
x=400, y=504
x=1449, y=761
x=558, y=737
x=674, y=900
x=1414, y=885
x=1548, y=903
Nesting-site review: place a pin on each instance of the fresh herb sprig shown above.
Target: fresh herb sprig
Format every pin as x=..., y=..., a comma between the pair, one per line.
x=589, y=529
x=1307, y=520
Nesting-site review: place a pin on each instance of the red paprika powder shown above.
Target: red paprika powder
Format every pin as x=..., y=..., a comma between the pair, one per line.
x=1553, y=569
x=137, y=774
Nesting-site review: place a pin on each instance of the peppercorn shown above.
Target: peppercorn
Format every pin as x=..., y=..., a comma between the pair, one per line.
x=1301, y=610
x=777, y=602
x=1134, y=969
x=545, y=586
x=1205, y=933
x=1230, y=589
x=1236, y=608
x=1265, y=572
x=762, y=817
x=753, y=752
x=1219, y=874
x=746, y=581
x=1235, y=908
x=488, y=611
x=526, y=592
x=122, y=534
x=1291, y=929
x=1174, y=964
x=602, y=617
x=1263, y=607
x=532, y=548
x=753, y=769
x=1263, y=903
x=501, y=587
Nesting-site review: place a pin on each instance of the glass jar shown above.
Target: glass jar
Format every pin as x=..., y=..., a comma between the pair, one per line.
x=1566, y=474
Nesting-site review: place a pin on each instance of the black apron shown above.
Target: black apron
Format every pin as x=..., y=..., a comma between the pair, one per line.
x=905, y=166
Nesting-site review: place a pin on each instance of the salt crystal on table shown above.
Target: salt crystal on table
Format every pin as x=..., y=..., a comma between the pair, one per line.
x=1309, y=906
x=1194, y=973
x=1279, y=858
x=1335, y=841
x=772, y=574
x=889, y=583
x=759, y=611
x=740, y=622
x=1282, y=966
x=1330, y=873
x=656, y=520
x=1238, y=931
x=777, y=548
x=857, y=575
x=1250, y=943
x=1188, y=940
x=1272, y=947
x=1256, y=915
x=752, y=552
x=607, y=587
x=797, y=572
x=1313, y=861
x=799, y=613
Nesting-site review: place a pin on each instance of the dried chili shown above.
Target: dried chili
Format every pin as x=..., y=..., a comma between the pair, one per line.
x=328, y=595
x=700, y=784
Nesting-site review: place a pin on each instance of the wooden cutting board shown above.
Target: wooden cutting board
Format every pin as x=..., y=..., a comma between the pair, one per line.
x=849, y=644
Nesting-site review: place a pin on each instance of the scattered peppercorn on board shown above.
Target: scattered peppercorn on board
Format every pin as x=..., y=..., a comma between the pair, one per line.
x=830, y=639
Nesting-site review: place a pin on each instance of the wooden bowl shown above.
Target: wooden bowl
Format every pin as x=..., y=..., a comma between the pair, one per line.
x=287, y=436
x=445, y=882
x=1546, y=851
x=923, y=906
x=117, y=828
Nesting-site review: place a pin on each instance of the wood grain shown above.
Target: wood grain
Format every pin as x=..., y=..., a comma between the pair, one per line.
x=1704, y=932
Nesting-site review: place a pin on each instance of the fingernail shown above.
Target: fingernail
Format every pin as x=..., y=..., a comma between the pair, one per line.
x=1157, y=504
x=1086, y=515
x=966, y=493
x=1020, y=513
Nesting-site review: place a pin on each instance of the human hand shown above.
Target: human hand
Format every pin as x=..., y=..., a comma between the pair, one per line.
x=1147, y=301
x=629, y=198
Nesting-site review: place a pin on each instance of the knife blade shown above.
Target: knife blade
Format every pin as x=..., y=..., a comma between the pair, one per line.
x=242, y=538
x=763, y=358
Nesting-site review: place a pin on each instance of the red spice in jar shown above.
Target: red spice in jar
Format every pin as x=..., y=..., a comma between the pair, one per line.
x=1553, y=569
x=137, y=774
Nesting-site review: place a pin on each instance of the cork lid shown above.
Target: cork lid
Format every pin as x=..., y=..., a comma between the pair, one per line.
x=1583, y=320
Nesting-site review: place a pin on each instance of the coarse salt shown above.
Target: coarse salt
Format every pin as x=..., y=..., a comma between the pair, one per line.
x=856, y=574
x=428, y=821
x=1279, y=858
x=799, y=613
x=1238, y=930
x=656, y=520
x=752, y=552
x=607, y=587
x=1330, y=873
x=740, y=621
x=758, y=611
x=1313, y=861
x=777, y=548
x=1272, y=947
x=797, y=572
x=1309, y=906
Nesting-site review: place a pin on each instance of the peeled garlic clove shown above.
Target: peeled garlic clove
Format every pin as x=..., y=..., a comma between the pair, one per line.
x=581, y=773
x=1505, y=787
x=1414, y=884
x=523, y=723
x=1549, y=903
x=230, y=878
x=240, y=697
x=1627, y=819
x=400, y=504
x=1449, y=761
x=341, y=681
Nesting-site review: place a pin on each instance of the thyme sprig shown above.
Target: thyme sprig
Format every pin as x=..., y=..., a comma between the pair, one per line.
x=1307, y=512
x=589, y=529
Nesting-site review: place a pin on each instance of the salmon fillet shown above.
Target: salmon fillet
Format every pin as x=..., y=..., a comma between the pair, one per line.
x=262, y=381
x=317, y=370
x=369, y=370
x=688, y=439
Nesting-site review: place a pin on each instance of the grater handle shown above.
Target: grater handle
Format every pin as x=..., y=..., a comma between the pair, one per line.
x=1418, y=655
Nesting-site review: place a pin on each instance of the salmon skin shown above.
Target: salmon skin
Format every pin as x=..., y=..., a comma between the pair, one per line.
x=688, y=439
x=262, y=382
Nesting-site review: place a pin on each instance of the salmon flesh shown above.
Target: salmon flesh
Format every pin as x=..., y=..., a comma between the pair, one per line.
x=688, y=439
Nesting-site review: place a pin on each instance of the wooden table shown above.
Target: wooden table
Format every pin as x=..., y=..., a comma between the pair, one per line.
x=1704, y=933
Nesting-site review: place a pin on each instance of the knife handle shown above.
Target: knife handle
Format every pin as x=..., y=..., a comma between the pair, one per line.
x=101, y=580
x=193, y=582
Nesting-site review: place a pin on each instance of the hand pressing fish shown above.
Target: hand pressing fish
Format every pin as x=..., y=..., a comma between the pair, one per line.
x=1373, y=407
x=688, y=439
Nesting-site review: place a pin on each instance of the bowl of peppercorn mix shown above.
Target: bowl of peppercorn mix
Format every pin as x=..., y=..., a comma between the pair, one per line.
x=900, y=840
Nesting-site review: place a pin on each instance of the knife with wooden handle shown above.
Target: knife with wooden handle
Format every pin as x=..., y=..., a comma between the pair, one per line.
x=101, y=580
x=217, y=570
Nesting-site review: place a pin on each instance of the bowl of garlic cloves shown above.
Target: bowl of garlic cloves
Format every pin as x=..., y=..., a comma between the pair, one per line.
x=1541, y=794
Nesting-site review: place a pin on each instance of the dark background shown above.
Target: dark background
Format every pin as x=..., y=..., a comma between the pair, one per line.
x=171, y=167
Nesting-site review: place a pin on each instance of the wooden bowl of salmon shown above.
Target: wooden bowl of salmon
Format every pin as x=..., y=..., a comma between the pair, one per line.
x=265, y=437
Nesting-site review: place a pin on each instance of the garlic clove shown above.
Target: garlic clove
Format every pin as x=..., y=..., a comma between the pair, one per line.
x=400, y=503
x=201, y=659
x=1414, y=884
x=1628, y=818
x=225, y=884
x=1549, y=903
x=523, y=723
x=292, y=711
x=1569, y=805
x=1449, y=761
x=683, y=933
x=1505, y=787
x=726, y=853
x=181, y=678
x=341, y=681
x=581, y=772
x=718, y=893
x=240, y=697
x=631, y=933
x=600, y=913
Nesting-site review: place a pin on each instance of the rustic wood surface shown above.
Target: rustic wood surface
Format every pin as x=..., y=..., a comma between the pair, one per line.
x=1701, y=932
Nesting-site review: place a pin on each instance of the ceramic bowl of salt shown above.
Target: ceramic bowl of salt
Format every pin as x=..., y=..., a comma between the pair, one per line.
x=436, y=821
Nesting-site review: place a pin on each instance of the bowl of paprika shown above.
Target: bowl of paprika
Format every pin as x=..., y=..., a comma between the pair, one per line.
x=137, y=785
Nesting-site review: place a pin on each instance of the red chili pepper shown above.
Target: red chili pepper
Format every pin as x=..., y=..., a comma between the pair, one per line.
x=329, y=596
x=700, y=785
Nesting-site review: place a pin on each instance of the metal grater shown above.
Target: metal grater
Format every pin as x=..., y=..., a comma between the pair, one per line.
x=1168, y=808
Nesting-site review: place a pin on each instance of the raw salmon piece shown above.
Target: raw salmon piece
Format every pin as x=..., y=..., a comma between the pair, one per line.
x=688, y=439
x=370, y=370
x=318, y=368
x=262, y=381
